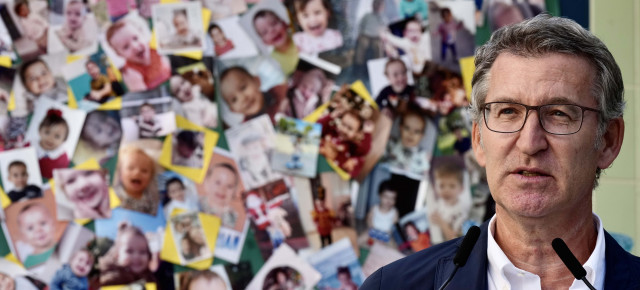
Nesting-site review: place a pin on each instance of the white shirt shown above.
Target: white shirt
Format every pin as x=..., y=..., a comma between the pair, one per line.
x=502, y=274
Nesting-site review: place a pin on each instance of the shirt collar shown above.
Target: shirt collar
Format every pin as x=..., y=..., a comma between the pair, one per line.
x=52, y=154
x=504, y=275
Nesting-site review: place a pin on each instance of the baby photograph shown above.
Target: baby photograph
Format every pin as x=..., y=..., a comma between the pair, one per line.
x=130, y=244
x=20, y=172
x=126, y=43
x=409, y=37
x=316, y=28
x=501, y=13
x=227, y=39
x=275, y=218
x=187, y=148
x=192, y=85
x=338, y=265
x=135, y=180
x=189, y=237
x=253, y=143
x=178, y=27
x=82, y=194
x=213, y=278
x=78, y=32
x=147, y=118
x=250, y=87
x=29, y=23
x=391, y=83
x=39, y=79
x=453, y=27
x=178, y=192
x=411, y=233
x=296, y=147
x=33, y=230
x=54, y=131
x=99, y=138
x=310, y=86
x=13, y=276
x=285, y=270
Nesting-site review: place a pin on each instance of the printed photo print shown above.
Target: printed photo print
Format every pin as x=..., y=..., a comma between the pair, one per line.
x=310, y=86
x=33, y=230
x=317, y=31
x=253, y=143
x=338, y=265
x=78, y=32
x=82, y=194
x=147, y=118
x=178, y=27
x=268, y=24
x=285, y=270
x=99, y=138
x=28, y=25
x=192, y=85
x=189, y=237
x=54, y=131
x=213, y=278
x=187, y=148
x=453, y=27
x=6, y=43
x=227, y=39
x=275, y=218
x=409, y=37
x=16, y=277
x=224, y=8
x=250, y=87
x=297, y=144
x=135, y=180
x=391, y=84
x=178, y=192
x=372, y=17
x=20, y=172
x=126, y=43
x=39, y=79
x=411, y=233
x=129, y=245
x=501, y=13
x=8, y=131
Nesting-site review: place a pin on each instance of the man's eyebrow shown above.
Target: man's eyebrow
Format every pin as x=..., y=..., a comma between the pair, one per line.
x=544, y=101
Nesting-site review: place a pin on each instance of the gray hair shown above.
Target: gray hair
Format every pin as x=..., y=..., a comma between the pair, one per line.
x=546, y=34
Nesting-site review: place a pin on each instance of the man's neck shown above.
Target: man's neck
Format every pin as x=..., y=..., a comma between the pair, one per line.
x=527, y=243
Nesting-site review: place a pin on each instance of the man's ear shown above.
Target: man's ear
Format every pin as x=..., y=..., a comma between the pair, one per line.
x=478, y=148
x=611, y=143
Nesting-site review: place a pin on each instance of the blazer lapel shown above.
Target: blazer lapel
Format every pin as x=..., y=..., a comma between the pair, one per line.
x=474, y=273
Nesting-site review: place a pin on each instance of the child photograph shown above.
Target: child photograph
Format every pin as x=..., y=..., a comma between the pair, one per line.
x=310, y=86
x=314, y=19
x=213, y=278
x=178, y=27
x=408, y=37
x=253, y=143
x=453, y=27
x=178, y=193
x=227, y=39
x=126, y=43
x=275, y=218
x=74, y=274
x=189, y=237
x=502, y=13
x=285, y=270
x=31, y=20
x=78, y=34
x=338, y=265
x=54, y=131
x=130, y=245
x=147, y=118
x=13, y=276
x=221, y=9
x=411, y=233
x=193, y=87
x=187, y=148
x=268, y=24
x=39, y=78
x=220, y=194
x=296, y=147
x=99, y=138
x=135, y=180
x=372, y=17
x=20, y=172
x=92, y=81
x=392, y=84
x=82, y=194
x=250, y=87
x=33, y=230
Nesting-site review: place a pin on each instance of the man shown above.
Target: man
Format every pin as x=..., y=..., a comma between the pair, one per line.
x=547, y=106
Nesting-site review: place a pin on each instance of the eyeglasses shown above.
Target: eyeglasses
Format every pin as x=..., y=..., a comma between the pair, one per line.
x=557, y=119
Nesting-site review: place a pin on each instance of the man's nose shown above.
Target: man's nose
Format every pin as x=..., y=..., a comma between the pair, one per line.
x=532, y=137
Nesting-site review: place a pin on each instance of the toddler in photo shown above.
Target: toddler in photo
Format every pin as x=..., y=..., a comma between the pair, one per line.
x=53, y=132
x=144, y=69
x=34, y=27
x=101, y=89
x=323, y=217
x=148, y=123
x=184, y=37
x=406, y=153
x=346, y=282
x=193, y=244
x=241, y=91
x=178, y=198
x=253, y=159
x=99, y=138
x=448, y=30
x=187, y=149
x=305, y=97
x=197, y=108
x=273, y=31
x=207, y=279
x=76, y=33
x=39, y=82
x=128, y=260
x=416, y=240
x=384, y=215
x=221, y=44
x=19, y=176
x=221, y=182
x=73, y=276
x=316, y=36
x=37, y=227
x=452, y=204
x=398, y=93
x=87, y=190
x=136, y=172
x=413, y=42
x=369, y=44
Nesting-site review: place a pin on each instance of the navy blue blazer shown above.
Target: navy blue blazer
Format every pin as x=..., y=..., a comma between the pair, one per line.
x=429, y=268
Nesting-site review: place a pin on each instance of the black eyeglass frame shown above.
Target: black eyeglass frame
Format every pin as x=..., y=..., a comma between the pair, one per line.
x=537, y=109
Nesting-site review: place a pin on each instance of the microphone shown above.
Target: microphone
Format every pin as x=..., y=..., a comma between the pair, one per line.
x=463, y=253
x=570, y=261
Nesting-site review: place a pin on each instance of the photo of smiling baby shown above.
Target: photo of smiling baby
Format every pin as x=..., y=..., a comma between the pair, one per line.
x=135, y=185
x=84, y=193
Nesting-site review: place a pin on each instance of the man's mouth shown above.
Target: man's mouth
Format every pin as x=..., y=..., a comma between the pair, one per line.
x=528, y=173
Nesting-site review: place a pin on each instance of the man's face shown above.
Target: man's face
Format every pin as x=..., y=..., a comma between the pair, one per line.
x=532, y=173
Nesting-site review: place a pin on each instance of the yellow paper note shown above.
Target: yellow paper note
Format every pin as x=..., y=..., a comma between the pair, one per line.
x=467, y=67
x=210, y=225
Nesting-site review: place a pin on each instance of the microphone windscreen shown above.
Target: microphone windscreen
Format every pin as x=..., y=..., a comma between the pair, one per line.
x=467, y=245
x=568, y=258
